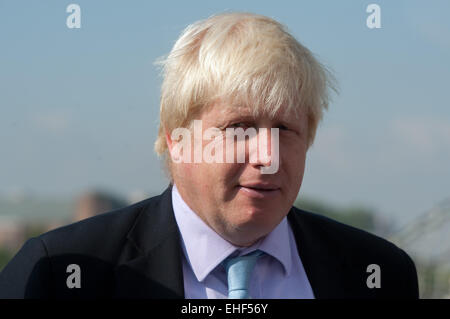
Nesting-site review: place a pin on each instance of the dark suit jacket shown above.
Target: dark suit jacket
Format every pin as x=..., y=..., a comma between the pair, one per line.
x=135, y=252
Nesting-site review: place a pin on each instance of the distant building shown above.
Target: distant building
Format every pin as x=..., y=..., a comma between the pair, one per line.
x=12, y=233
x=96, y=202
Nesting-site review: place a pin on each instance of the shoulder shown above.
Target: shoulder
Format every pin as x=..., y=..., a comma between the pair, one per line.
x=100, y=234
x=357, y=251
x=341, y=235
x=39, y=269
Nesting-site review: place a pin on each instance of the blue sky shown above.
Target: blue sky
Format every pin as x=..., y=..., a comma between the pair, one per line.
x=79, y=107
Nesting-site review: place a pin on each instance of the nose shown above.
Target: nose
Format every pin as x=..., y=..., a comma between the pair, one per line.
x=264, y=154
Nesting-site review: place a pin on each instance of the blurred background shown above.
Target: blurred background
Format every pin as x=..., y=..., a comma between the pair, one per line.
x=79, y=115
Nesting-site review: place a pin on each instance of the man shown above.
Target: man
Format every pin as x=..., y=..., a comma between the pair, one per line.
x=229, y=80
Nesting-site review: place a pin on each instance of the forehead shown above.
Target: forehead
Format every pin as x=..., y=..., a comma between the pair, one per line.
x=236, y=110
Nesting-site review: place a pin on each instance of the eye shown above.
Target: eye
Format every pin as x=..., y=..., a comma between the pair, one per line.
x=238, y=125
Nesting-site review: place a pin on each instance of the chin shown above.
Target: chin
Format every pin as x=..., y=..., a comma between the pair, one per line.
x=259, y=219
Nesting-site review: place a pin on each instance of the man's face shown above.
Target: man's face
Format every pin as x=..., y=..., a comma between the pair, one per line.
x=235, y=199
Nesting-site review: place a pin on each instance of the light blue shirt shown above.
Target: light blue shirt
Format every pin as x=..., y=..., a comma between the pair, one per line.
x=277, y=274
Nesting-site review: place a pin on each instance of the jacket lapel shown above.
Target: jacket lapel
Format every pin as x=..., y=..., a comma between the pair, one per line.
x=150, y=263
x=323, y=263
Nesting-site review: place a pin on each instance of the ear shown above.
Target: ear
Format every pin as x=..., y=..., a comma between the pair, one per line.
x=169, y=141
x=170, y=145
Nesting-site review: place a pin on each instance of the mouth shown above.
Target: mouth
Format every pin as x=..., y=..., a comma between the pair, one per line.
x=259, y=190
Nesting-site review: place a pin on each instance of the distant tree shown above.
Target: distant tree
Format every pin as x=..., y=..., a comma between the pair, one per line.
x=357, y=216
x=5, y=257
x=34, y=229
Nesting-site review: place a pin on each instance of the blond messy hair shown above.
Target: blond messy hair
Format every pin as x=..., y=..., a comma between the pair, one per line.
x=245, y=59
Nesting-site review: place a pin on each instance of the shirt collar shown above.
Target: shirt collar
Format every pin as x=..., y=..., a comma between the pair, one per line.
x=205, y=249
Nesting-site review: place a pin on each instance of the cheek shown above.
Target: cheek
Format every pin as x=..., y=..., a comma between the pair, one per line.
x=293, y=163
x=194, y=175
x=230, y=172
x=215, y=178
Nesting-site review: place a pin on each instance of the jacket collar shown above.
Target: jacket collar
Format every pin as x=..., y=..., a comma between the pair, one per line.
x=150, y=263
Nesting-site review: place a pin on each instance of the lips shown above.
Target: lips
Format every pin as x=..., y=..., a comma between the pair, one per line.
x=260, y=186
x=259, y=189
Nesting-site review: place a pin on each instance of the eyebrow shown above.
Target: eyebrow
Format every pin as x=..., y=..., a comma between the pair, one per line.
x=234, y=111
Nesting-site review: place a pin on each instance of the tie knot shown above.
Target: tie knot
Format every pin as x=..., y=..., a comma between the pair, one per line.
x=239, y=270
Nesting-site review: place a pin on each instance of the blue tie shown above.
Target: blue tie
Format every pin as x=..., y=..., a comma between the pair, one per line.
x=239, y=270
